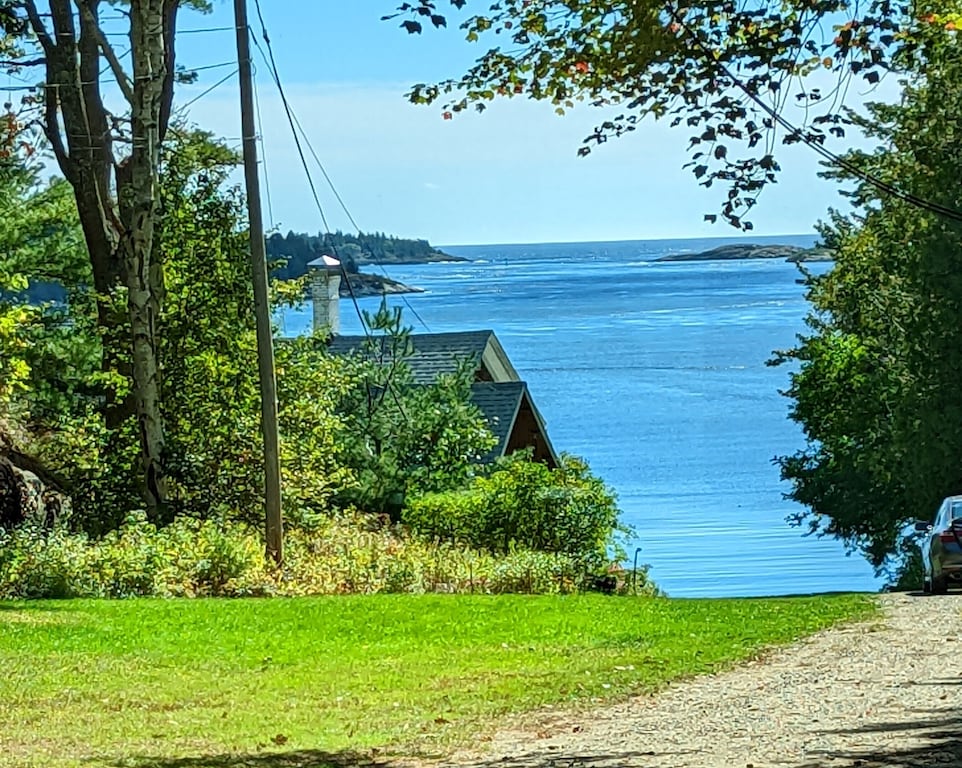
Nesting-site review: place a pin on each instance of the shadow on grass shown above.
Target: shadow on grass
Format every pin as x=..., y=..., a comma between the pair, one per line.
x=29, y=606
x=296, y=759
x=320, y=759
x=925, y=738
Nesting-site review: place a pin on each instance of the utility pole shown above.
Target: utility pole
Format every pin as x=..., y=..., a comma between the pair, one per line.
x=262, y=310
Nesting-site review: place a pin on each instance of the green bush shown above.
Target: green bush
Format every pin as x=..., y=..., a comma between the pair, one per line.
x=524, y=504
x=188, y=558
x=349, y=554
x=402, y=437
x=54, y=569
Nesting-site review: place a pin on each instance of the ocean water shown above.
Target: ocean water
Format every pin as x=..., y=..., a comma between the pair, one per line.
x=655, y=373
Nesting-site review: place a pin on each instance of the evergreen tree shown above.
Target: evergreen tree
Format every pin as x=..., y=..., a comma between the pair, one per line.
x=879, y=389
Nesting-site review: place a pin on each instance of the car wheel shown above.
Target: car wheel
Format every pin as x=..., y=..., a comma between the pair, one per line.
x=940, y=585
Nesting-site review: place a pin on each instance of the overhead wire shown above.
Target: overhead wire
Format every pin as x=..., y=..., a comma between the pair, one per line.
x=271, y=64
x=292, y=122
x=263, y=155
x=209, y=90
x=310, y=179
x=794, y=131
x=33, y=87
x=299, y=133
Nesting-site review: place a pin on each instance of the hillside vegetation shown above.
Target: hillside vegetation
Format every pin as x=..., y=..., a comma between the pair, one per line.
x=294, y=251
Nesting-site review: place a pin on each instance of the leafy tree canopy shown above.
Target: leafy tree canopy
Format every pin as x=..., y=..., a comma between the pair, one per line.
x=879, y=392
x=725, y=71
x=357, y=432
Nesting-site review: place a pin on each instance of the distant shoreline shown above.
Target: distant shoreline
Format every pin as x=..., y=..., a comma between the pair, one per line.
x=364, y=284
x=434, y=258
x=773, y=239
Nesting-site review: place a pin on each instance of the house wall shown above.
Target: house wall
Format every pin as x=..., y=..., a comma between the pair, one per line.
x=527, y=434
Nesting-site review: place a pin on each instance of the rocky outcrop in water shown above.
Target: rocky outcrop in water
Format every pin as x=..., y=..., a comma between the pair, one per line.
x=738, y=251
x=364, y=284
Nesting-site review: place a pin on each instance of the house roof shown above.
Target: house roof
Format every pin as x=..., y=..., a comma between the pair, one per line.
x=500, y=403
x=439, y=353
x=497, y=391
x=324, y=261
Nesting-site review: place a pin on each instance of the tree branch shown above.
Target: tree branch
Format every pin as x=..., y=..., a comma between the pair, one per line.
x=89, y=21
x=167, y=99
x=51, y=129
x=51, y=123
x=36, y=23
x=26, y=63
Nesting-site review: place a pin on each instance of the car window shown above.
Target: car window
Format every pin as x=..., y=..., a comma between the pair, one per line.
x=956, y=510
x=942, y=519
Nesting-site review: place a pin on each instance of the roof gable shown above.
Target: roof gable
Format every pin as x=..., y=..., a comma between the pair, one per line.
x=498, y=392
x=500, y=404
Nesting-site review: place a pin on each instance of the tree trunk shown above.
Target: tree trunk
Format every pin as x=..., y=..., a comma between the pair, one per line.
x=117, y=219
x=138, y=204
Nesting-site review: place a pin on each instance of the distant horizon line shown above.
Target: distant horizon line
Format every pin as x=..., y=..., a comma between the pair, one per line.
x=628, y=240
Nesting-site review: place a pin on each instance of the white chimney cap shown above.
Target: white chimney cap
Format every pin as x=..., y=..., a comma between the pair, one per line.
x=324, y=261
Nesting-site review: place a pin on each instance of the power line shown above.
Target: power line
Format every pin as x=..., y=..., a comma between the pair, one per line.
x=204, y=29
x=300, y=151
x=209, y=90
x=290, y=118
x=267, y=178
x=72, y=84
x=327, y=178
x=292, y=121
x=211, y=66
x=296, y=128
x=271, y=63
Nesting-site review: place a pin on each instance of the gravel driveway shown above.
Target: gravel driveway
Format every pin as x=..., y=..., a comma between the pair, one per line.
x=887, y=692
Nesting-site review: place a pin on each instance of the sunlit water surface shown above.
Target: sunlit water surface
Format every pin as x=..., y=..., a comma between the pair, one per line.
x=656, y=374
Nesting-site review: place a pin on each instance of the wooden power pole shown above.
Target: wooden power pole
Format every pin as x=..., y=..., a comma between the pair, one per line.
x=265, y=337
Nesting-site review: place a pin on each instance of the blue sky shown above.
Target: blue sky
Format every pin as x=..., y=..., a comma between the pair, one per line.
x=509, y=175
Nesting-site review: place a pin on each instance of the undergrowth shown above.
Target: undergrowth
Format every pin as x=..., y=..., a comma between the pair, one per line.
x=347, y=554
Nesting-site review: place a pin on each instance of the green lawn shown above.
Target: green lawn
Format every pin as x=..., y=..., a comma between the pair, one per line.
x=272, y=683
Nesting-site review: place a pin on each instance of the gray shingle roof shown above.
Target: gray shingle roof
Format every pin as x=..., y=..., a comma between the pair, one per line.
x=499, y=404
x=434, y=353
x=499, y=401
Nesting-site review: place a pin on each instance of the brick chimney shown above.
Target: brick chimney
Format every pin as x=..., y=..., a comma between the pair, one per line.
x=325, y=291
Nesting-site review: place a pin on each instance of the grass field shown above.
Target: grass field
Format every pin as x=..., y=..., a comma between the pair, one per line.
x=294, y=682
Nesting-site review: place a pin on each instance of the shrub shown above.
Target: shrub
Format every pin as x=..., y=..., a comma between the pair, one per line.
x=524, y=504
x=356, y=554
x=34, y=564
x=188, y=558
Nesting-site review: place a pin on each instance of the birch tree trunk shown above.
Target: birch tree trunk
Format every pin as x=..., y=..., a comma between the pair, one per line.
x=138, y=206
x=116, y=196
